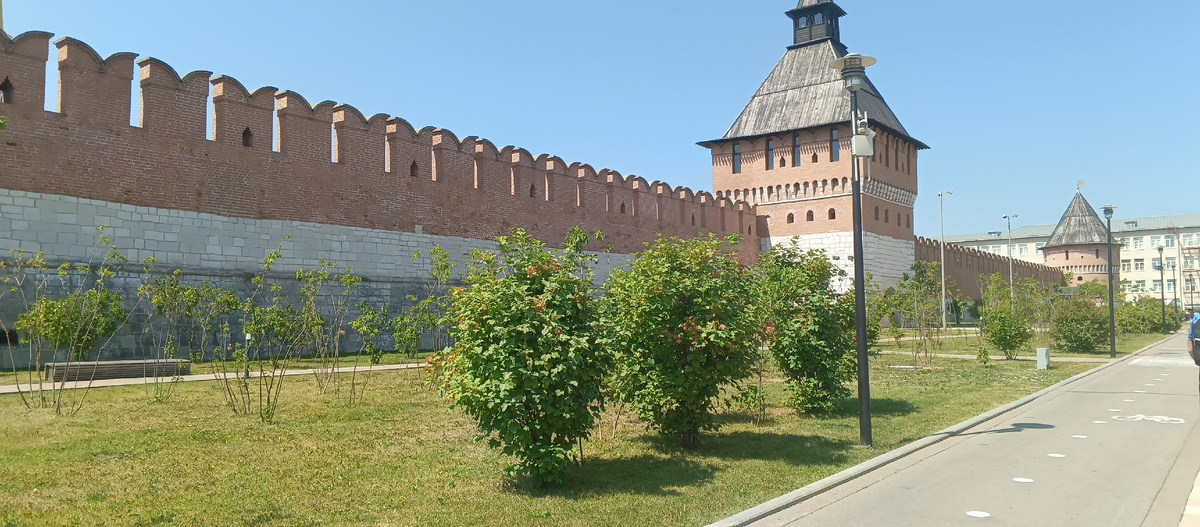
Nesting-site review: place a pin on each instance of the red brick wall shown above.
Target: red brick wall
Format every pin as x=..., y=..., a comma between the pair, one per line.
x=465, y=187
x=964, y=267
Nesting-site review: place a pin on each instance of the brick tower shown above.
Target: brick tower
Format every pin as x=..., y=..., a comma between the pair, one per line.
x=1079, y=244
x=789, y=154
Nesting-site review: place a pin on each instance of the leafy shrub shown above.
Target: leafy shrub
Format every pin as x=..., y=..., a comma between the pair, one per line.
x=808, y=327
x=1006, y=331
x=678, y=326
x=76, y=322
x=524, y=363
x=1079, y=326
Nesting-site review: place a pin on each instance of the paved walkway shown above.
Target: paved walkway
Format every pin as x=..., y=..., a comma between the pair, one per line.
x=1053, y=358
x=17, y=388
x=1114, y=446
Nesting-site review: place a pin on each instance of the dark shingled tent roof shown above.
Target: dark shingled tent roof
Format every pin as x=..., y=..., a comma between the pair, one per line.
x=803, y=92
x=1079, y=226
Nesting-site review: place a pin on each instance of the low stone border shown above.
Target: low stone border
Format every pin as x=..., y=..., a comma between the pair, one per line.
x=776, y=505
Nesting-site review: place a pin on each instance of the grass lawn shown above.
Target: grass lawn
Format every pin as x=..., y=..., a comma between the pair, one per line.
x=403, y=458
x=1126, y=344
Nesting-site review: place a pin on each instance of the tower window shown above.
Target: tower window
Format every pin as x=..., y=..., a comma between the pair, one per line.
x=796, y=150
x=833, y=214
x=412, y=169
x=791, y=218
x=737, y=159
x=814, y=158
x=834, y=153
x=693, y=219
x=876, y=213
x=6, y=92
x=622, y=208
x=247, y=138
x=818, y=19
x=908, y=221
x=810, y=217
x=887, y=216
x=801, y=22
x=770, y=154
x=532, y=191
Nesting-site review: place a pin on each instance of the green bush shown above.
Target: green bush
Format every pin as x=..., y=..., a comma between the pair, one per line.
x=808, y=327
x=677, y=322
x=525, y=364
x=75, y=323
x=1006, y=331
x=1079, y=326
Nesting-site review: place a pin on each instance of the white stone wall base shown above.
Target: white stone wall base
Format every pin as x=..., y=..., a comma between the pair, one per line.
x=887, y=259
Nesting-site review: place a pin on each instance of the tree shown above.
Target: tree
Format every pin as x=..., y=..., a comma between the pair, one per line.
x=918, y=300
x=677, y=322
x=1004, y=325
x=806, y=325
x=525, y=364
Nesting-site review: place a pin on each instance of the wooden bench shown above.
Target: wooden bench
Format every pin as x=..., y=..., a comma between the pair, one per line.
x=116, y=369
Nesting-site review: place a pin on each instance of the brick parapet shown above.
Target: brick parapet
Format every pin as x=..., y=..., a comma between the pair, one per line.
x=275, y=156
x=964, y=266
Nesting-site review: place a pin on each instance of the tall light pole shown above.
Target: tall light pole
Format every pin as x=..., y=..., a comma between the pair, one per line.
x=853, y=69
x=942, y=246
x=1009, y=250
x=1112, y=309
x=1162, y=279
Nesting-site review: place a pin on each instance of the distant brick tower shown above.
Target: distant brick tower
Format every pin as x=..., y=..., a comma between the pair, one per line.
x=1079, y=245
x=789, y=154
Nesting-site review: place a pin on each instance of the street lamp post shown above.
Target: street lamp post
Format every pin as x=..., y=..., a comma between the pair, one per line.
x=853, y=70
x=942, y=246
x=1009, y=250
x=1162, y=280
x=1112, y=309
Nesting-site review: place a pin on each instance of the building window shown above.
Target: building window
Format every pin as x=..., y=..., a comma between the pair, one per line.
x=1171, y=263
x=834, y=147
x=1067, y=253
x=1155, y=242
x=791, y=218
x=1189, y=262
x=801, y=22
x=1038, y=246
x=1138, y=243
x=247, y=138
x=1124, y=243
x=1012, y=251
x=996, y=250
x=1097, y=253
x=1169, y=241
x=876, y=213
x=796, y=150
x=1189, y=285
x=412, y=171
x=1126, y=266
x=818, y=19
x=1131, y=225
x=1188, y=240
x=1171, y=285
x=6, y=92
x=737, y=159
x=770, y=154
x=887, y=216
x=908, y=221
x=1157, y=285
x=1024, y=249
x=1139, y=286
x=832, y=214
x=1139, y=264
x=810, y=216
x=1156, y=263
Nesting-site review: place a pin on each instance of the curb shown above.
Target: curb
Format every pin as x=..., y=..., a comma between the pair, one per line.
x=776, y=505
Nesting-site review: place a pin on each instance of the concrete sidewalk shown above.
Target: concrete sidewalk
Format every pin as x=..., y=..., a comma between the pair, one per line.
x=27, y=388
x=1111, y=447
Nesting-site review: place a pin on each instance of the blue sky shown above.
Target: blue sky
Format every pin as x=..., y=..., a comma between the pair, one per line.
x=1017, y=100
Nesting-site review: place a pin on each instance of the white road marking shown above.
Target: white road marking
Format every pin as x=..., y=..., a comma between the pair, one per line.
x=1080, y=437
x=1156, y=418
x=1128, y=400
x=1114, y=409
x=1100, y=422
x=1149, y=385
x=1056, y=455
x=1023, y=480
x=978, y=514
x=1139, y=391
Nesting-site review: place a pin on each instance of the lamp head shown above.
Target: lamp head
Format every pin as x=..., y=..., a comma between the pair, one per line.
x=853, y=68
x=1160, y=250
x=945, y=192
x=1108, y=211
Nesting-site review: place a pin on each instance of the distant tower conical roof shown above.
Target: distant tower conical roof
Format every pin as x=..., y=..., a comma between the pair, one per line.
x=1080, y=225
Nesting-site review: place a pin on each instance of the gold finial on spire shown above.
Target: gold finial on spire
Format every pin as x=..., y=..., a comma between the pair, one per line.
x=1079, y=183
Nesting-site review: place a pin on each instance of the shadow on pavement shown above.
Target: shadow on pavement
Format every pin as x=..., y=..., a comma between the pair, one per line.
x=1014, y=428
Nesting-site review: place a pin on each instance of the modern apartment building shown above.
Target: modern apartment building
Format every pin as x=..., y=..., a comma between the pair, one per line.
x=1139, y=239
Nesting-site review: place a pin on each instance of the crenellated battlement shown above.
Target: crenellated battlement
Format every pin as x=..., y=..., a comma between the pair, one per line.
x=275, y=155
x=965, y=265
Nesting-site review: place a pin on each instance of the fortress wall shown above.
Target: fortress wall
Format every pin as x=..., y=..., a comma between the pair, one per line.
x=327, y=164
x=965, y=267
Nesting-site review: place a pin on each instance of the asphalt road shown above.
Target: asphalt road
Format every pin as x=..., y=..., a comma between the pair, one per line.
x=1113, y=449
